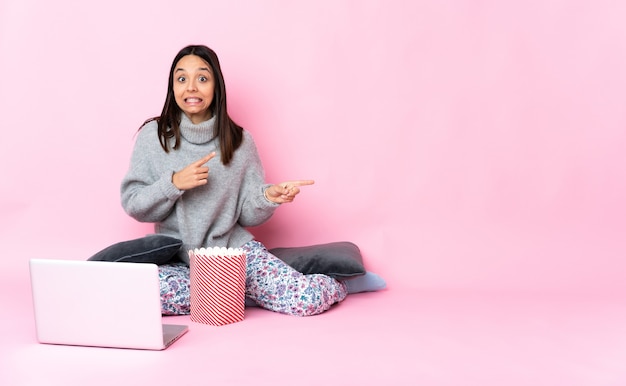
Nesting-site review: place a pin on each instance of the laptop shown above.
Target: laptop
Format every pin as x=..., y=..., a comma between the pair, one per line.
x=99, y=303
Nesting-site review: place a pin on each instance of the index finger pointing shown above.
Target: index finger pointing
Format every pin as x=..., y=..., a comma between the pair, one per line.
x=204, y=160
x=299, y=182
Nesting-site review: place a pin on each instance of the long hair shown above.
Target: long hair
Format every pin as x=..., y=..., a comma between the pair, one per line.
x=230, y=135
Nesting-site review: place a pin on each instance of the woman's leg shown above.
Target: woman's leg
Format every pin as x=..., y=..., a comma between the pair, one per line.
x=175, y=290
x=274, y=285
x=174, y=279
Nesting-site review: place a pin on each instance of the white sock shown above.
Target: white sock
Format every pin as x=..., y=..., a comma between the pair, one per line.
x=365, y=283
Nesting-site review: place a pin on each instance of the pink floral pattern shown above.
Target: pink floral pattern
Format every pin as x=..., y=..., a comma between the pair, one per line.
x=270, y=283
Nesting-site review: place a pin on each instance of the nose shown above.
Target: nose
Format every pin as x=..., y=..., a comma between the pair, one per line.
x=191, y=85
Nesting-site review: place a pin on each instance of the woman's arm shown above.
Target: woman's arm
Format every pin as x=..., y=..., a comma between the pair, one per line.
x=147, y=191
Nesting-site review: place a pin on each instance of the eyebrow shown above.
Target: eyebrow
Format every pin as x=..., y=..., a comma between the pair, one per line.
x=201, y=69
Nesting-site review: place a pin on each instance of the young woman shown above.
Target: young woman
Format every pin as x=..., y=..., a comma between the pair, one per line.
x=197, y=175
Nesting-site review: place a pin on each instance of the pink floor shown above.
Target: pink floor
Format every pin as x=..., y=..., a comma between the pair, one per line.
x=398, y=336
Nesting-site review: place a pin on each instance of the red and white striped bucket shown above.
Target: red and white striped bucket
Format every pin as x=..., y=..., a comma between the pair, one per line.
x=218, y=285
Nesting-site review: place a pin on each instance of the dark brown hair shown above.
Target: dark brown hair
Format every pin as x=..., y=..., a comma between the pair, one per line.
x=230, y=134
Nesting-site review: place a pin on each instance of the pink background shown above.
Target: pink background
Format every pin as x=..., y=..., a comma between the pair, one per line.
x=468, y=148
x=460, y=144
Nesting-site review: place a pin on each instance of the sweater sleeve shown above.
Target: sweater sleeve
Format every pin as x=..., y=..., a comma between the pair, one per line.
x=255, y=209
x=148, y=194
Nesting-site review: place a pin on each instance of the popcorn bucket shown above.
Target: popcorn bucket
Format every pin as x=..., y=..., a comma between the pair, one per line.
x=218, y=285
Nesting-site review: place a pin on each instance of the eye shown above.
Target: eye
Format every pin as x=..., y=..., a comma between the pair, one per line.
x=203, y=78
x=181, y=79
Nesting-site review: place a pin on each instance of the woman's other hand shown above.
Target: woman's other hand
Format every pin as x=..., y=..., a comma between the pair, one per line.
x=285, y=191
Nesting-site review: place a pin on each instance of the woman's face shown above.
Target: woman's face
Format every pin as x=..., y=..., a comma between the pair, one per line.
x=194, y=87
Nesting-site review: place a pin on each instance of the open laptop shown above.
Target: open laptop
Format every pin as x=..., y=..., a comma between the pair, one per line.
x=98, y=303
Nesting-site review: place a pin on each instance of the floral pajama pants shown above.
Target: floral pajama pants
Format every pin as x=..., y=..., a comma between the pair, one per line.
x=270, y=283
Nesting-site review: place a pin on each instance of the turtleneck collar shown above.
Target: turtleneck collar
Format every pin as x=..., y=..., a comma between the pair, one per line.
x=197, y=134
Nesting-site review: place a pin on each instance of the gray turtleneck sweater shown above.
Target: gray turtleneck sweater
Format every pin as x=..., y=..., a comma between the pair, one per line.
x=214, y=214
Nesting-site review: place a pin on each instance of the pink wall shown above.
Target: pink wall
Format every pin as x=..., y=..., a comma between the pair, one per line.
x=460, y=144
